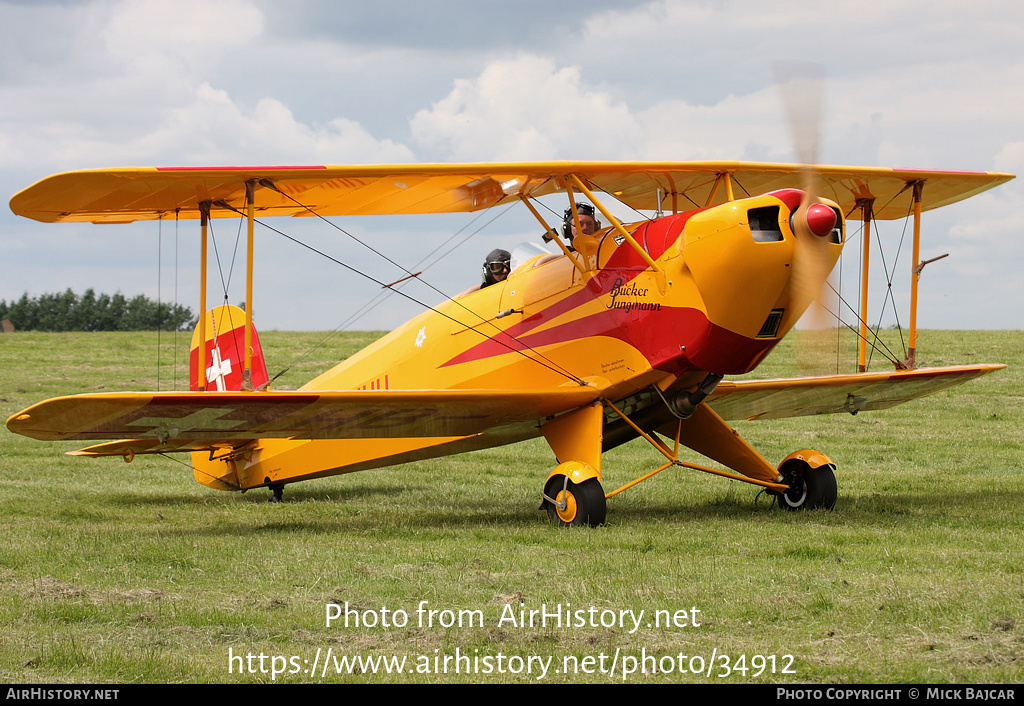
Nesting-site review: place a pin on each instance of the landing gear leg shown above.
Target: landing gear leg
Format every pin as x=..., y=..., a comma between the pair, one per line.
x=278, y=493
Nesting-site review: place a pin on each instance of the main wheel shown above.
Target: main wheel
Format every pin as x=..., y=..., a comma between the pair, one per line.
x=584, y=503
x=809, y=488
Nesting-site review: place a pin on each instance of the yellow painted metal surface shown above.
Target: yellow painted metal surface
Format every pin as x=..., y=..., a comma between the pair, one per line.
x=576, y=471
x=576, y=436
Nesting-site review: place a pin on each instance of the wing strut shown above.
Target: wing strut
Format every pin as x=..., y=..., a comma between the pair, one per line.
x=204, y=221
x=867, y=214
x=915, y=275
x=659, y=273
x=723, y=177
x=558, y=241
x=250, y=200
x=866, y=206
x=710, y=429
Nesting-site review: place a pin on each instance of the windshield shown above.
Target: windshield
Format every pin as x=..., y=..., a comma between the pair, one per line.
x=526, y=251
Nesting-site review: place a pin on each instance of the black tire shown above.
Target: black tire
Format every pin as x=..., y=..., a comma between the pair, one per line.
x=809, y=488
x=585, y=503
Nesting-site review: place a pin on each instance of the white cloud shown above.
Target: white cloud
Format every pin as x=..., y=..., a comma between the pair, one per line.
x=213, y=129
x=165, y=37
x=132, y=90
x=737, y=127
x=207, y=128
x=525, y=108
x=987, y=235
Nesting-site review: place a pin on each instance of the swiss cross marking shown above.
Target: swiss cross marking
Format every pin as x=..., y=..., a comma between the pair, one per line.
x=218, y=370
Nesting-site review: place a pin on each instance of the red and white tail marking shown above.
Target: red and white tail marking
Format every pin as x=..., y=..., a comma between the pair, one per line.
x=225, y=352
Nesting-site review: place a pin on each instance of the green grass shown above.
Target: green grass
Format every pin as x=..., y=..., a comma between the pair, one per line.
x=114, y=572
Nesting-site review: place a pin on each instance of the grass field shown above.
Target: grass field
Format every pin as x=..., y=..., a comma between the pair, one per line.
x=114, y=572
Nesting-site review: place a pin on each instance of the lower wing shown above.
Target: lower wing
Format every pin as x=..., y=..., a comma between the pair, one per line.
x=797, y=397
x=189, y=421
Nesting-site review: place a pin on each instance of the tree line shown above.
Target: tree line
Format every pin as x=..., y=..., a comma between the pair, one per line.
x=66, y=311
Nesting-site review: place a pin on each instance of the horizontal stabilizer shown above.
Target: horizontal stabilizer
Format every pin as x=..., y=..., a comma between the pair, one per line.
x=829, y=394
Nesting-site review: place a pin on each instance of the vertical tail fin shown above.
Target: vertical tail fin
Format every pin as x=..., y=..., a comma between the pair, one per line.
x=225, y=352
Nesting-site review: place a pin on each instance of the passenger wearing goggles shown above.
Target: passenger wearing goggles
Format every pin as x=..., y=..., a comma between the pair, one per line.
x=496, y=267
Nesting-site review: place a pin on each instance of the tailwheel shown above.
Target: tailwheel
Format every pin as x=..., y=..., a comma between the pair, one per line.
x=809, y=488
x=575, y=505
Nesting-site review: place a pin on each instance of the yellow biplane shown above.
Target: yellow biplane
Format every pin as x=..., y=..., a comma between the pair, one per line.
x=625, y=333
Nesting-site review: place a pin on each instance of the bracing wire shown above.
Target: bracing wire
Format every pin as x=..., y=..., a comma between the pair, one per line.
x=877, y=344
x=226, y=284
x=216, y=255
x=540, y=360
x=394, y=288
x=859, y=317
x=385, y=293
x=889, y=275
x=392, y=262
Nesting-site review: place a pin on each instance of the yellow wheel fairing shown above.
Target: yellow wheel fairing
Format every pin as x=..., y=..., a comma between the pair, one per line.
x=576, y=471
x=814, y=459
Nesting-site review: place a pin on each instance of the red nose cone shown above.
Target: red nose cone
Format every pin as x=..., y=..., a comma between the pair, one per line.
x=820, y=219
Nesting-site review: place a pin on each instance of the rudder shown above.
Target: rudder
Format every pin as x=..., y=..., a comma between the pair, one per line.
x=225, y=347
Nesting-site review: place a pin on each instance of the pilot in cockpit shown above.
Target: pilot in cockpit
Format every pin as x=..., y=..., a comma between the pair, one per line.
x=588, y=222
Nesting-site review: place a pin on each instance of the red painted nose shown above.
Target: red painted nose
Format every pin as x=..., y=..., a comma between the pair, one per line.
x=820, y=219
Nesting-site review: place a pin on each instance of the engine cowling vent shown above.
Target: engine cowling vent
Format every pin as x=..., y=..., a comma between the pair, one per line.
x=770, y=327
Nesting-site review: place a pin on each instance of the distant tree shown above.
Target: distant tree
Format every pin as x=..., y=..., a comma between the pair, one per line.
x=24, y=313
x=67, y=311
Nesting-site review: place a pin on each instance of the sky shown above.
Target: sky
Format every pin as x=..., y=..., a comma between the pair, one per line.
x=935, y=84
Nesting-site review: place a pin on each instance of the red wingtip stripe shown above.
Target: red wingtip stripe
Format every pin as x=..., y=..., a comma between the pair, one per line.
x=247, y=168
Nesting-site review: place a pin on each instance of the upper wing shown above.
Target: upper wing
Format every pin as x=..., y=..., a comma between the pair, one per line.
x=179, y=421
x=124, y=195
x=797, y=397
